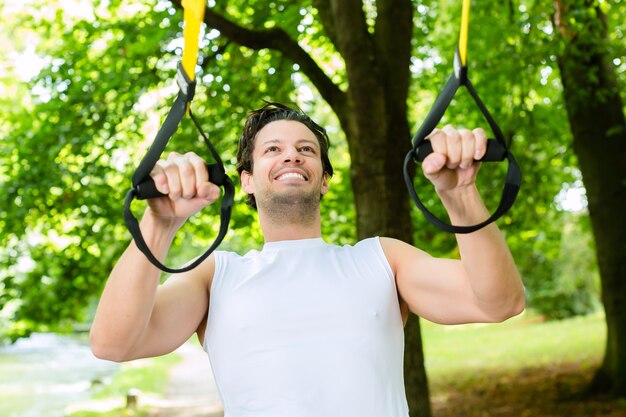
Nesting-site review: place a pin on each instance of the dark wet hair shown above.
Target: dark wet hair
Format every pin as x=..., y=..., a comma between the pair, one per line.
x=272, y=112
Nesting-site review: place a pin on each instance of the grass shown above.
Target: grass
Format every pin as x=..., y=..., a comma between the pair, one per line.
x=519, y=343
x=115, y=412
x=149, y=376
x=463, y=356
x=522, y=367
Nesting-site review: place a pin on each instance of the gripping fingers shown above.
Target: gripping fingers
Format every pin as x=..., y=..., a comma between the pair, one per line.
x=172, y=174
x=203, y=188
x=193, y=175
x=438, y=141
x=160, y=178
x=434, y=162
x=480, y=143
x=454, y=146
x=468, y=148
x=184, y=176
x=187, y=174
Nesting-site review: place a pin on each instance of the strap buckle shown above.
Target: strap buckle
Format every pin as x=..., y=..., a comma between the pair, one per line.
x=460, y=70
x=185, y=84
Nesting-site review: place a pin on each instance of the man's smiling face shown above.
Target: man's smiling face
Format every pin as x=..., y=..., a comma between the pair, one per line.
x=287, y=165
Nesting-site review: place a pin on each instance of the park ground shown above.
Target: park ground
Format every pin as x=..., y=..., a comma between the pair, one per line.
x=549, y=391
x=508, y=370
x=521, y=368
x=525, y=367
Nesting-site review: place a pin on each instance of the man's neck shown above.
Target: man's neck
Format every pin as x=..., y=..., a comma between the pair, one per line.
x=288, y=227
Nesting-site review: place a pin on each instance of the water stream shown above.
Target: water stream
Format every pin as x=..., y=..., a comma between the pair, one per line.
x=41, y=375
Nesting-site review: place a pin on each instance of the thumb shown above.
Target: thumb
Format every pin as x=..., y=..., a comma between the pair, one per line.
x=208, y=191
x=433, y=163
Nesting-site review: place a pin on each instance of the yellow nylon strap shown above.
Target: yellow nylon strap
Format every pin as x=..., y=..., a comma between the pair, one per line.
x=464, y=32
x=193, y=14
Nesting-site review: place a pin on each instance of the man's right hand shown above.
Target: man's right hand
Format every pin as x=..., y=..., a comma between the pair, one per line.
x=185, y=180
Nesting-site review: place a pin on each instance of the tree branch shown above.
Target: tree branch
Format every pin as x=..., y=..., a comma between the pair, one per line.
x=277, y=39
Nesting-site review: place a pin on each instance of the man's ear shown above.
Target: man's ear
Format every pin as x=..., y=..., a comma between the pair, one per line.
x=246, y=182
x=325, y=180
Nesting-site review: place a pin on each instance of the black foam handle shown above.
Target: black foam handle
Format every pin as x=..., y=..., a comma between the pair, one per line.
x=495, y=151
x=147, y=189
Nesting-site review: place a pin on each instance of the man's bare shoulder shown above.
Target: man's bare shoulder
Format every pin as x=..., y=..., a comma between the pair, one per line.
x=397, y=252
x=199, y=277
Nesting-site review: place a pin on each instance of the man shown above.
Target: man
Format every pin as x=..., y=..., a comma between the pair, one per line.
x=302, y=327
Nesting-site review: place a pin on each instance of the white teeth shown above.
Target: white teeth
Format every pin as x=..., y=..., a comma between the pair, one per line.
x=291, y=175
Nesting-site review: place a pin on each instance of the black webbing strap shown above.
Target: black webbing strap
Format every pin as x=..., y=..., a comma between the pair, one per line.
x=497, y=150
x=144, y=188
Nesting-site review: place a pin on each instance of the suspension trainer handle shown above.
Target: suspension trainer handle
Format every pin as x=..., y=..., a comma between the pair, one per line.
x=147, y=189
x=143, y=186
x=497, y=150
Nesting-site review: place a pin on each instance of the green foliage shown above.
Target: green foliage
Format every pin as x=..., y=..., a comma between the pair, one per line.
x=574, y=285
x=73, y=133
x=512, y=64
x=85, y=120
x=66, y=177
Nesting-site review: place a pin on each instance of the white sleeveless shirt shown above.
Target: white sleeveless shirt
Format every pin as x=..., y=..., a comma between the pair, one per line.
x=307, y=329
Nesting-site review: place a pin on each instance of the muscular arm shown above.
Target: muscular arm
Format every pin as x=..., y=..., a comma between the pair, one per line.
x=484, y=285
x=137, y=317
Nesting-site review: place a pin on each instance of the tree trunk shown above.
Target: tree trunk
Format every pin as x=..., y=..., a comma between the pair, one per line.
x=595, y=111
x=378, y=135
x=373, y=115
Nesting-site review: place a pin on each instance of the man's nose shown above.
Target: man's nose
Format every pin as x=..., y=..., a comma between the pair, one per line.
x=292, y=156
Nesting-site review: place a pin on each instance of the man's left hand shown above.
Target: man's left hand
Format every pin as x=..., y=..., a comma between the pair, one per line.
x=454, y=161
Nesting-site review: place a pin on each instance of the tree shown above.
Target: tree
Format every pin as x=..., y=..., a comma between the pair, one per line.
x=595, y=108
x=57, y=192
x=376, y=51
x=85, y=120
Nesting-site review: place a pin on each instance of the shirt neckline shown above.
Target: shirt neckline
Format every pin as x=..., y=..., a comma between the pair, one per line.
x=294, y=244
